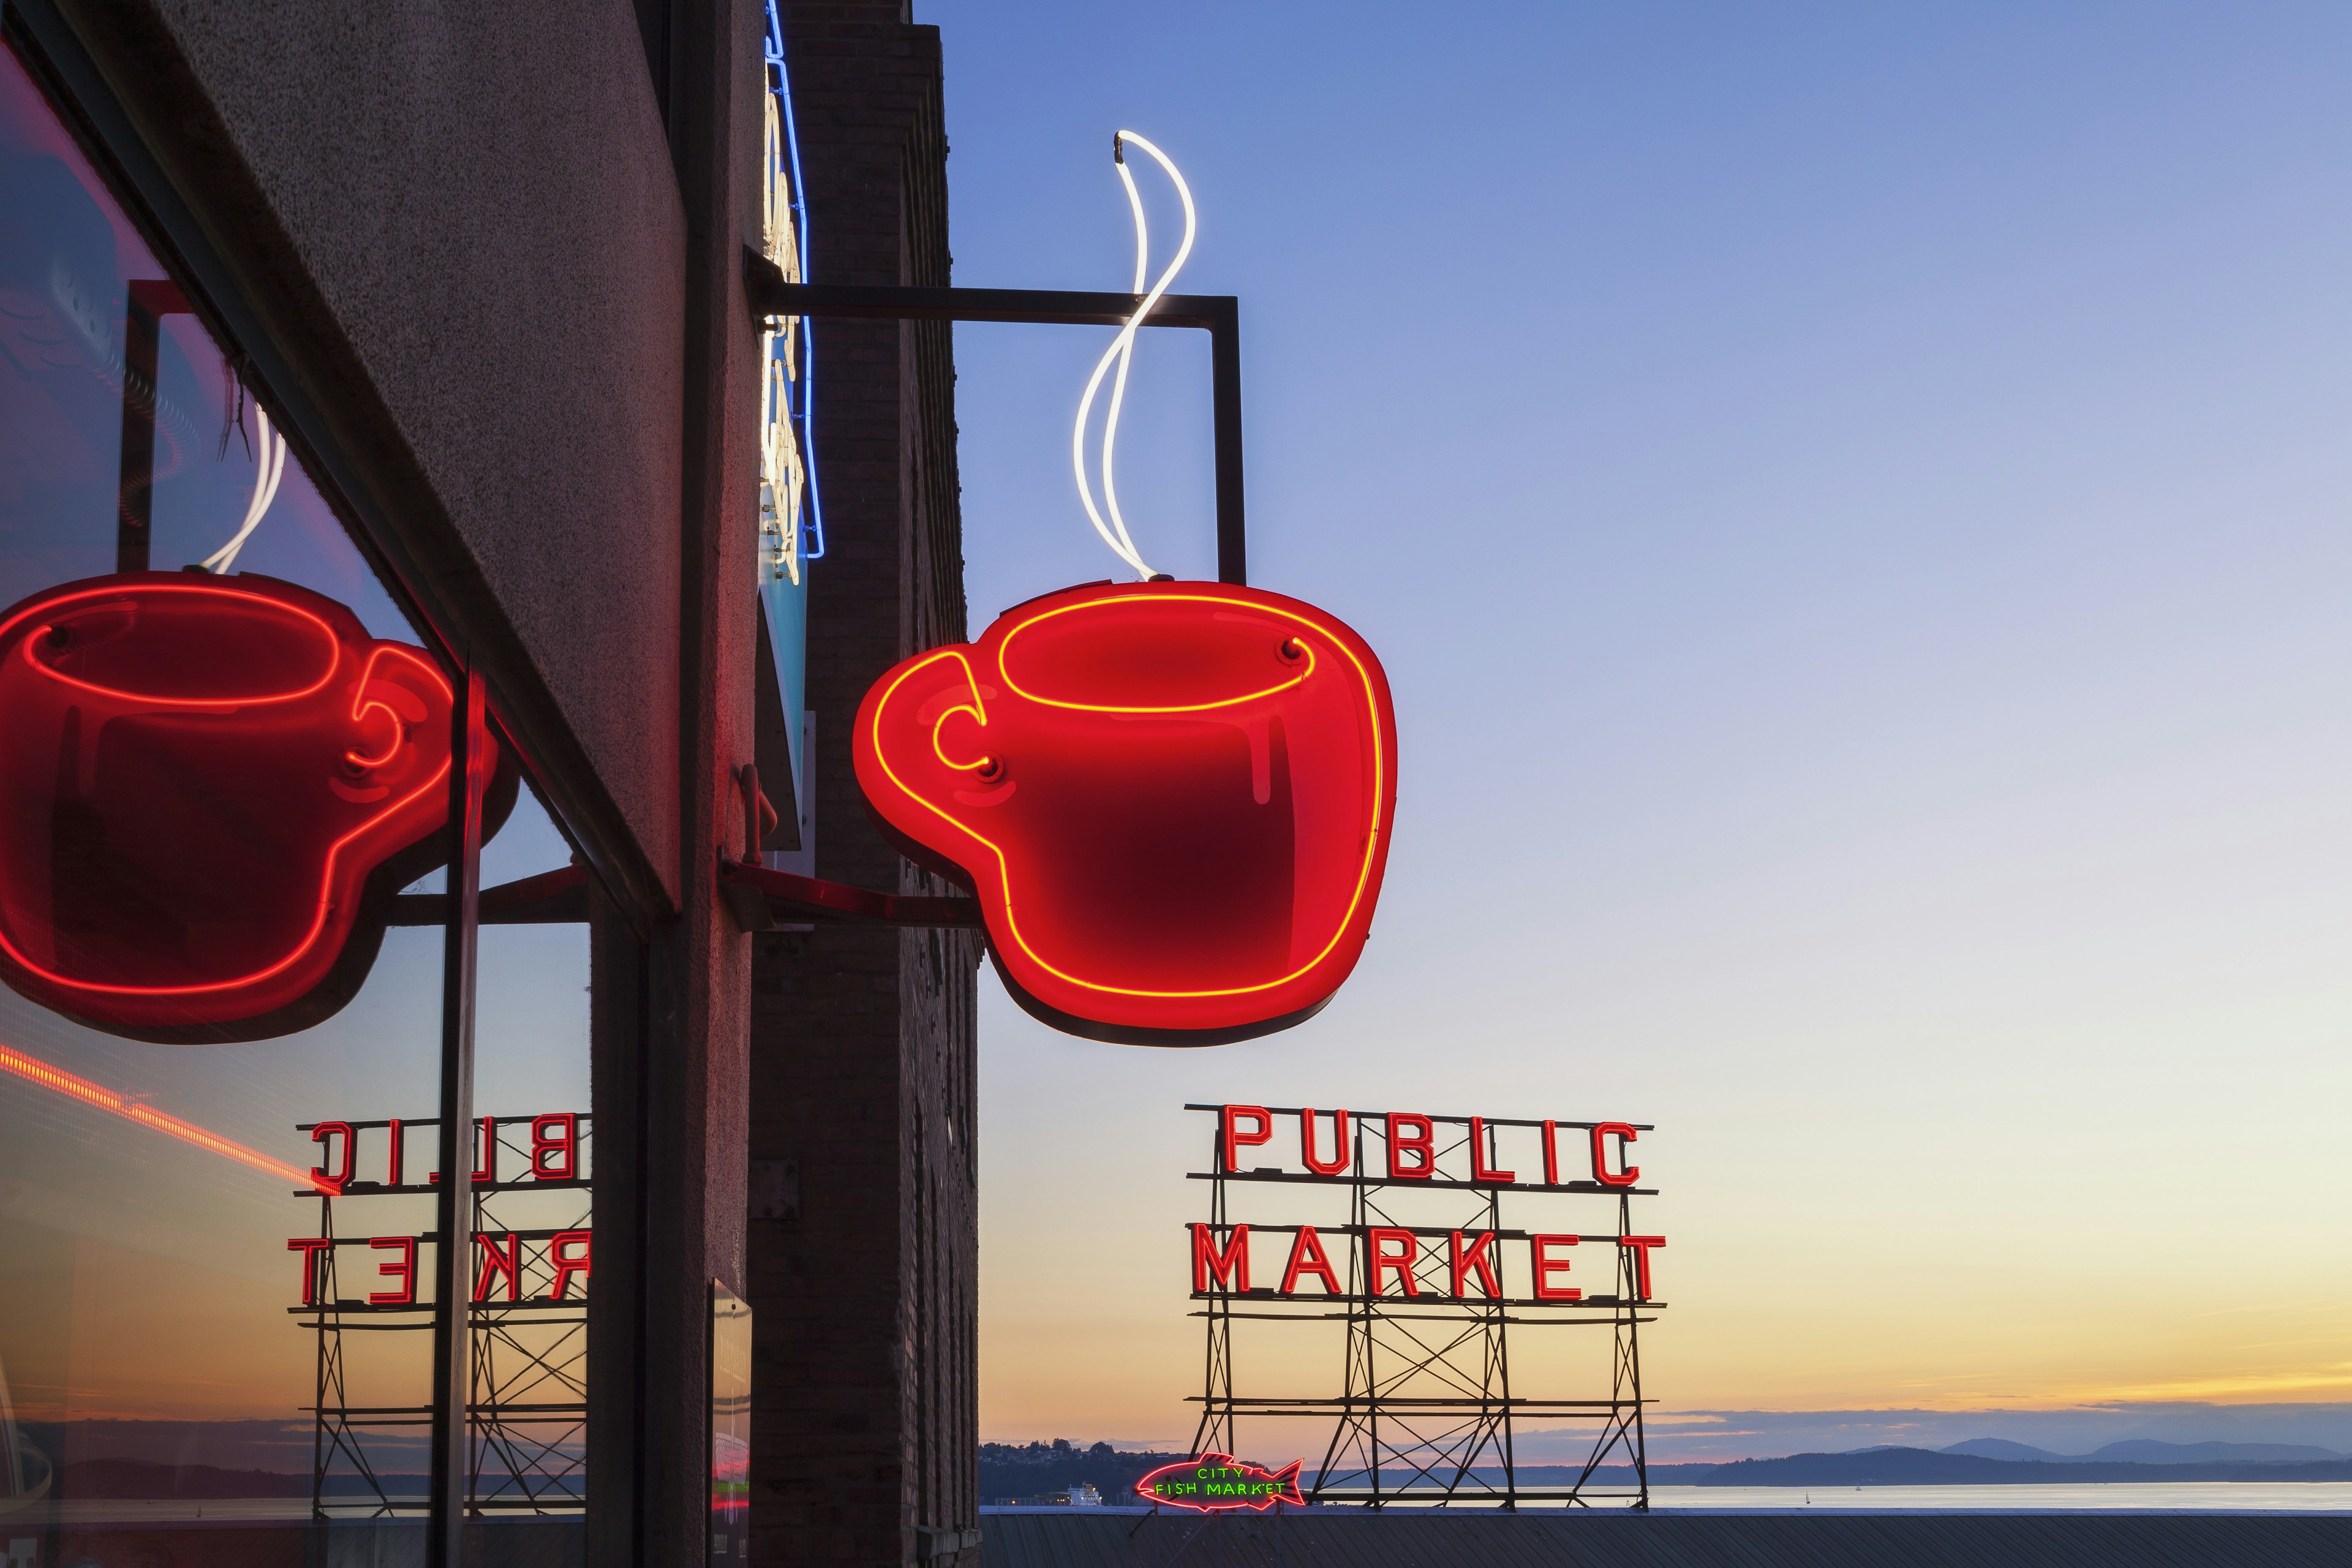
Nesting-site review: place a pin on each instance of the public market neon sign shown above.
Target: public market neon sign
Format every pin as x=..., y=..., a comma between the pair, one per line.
x=1404, y=1261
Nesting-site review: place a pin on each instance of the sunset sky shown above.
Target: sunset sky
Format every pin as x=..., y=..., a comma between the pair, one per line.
x=1854, y=505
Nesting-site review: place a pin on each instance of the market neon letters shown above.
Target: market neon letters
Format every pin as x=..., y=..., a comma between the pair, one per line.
x=1171, y=800
x=1229, y=1266
x=499, y=1258
x=1306, y=1257
x=1390, y=1257
x=1543, y=1265
x=1477, y=1257
x=1393, y=1251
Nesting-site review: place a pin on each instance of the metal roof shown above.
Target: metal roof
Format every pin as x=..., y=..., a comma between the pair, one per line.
x=1710, y=1539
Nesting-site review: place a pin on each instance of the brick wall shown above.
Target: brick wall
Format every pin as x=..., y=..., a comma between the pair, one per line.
x=865, y=1395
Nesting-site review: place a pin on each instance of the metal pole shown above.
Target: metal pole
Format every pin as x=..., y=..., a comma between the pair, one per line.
x=135, y=500
x=1633, y=1354
x=1503, y=1357
x=1216, y=1417
x=452, y=1323
x=1369, y=1290
x=1225, y=378
x=322, y=1281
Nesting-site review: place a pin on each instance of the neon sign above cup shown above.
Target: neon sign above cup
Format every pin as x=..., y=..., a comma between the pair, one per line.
x=210, y=789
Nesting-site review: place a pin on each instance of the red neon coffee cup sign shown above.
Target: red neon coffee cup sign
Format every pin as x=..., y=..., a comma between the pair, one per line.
x=199, y=778
x=1173, y=800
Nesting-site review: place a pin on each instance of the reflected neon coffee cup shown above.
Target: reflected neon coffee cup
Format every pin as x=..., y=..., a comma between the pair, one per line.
x=210, y=789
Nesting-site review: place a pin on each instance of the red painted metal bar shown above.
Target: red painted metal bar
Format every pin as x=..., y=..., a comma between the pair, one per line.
x=796, y=898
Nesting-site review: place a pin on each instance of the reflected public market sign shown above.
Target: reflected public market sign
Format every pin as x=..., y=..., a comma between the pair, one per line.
x=553, y=1157
x=1219, y=1483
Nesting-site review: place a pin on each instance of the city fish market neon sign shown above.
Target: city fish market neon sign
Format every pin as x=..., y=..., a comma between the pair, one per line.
x=1219, y=1483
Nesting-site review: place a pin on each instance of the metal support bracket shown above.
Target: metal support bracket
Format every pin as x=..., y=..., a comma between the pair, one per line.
x=552, y=897
x=765, y=900
x=1217, y=314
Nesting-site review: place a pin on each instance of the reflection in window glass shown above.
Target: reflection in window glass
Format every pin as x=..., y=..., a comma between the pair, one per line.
x=222, y=795
x=533, y=1240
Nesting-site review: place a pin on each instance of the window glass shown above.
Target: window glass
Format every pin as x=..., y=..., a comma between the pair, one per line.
x=532, y=1219
x=224, y=756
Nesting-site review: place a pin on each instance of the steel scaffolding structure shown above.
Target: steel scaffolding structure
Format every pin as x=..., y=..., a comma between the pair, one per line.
x=1427, y=1412
x=527, y=1414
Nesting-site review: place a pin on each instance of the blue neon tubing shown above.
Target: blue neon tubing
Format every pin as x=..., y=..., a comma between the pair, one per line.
x=815, y=527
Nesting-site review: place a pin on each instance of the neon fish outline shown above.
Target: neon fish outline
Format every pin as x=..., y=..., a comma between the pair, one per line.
x=1269, y=1487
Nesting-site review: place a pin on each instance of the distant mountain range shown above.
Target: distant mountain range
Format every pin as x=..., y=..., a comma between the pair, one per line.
x=1038, y=1470
x=2142, y=1451
x=1927, y=1467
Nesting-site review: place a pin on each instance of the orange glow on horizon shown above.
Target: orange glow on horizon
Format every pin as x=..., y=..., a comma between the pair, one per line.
x=33, y=1070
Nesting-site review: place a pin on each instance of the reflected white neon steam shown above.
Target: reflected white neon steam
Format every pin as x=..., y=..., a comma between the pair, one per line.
x=269, y=470
x=1122, y=351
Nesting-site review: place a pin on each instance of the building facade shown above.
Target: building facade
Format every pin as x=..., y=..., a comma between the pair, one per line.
x=863, y=1060
x=423, y=561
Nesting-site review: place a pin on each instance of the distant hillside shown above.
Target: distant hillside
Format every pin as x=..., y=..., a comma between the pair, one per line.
x=124, y=1478
x=2002, y=1448
x=2147, y=1451
x=1041, y=1470
x=1923, y=1467
x=118, y=1481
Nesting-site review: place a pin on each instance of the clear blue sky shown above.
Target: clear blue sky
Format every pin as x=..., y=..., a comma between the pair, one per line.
x=1854, y=504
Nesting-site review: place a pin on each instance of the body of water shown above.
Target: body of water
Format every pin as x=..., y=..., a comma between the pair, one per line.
x=2132, y=1496
x=2144, y=1497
